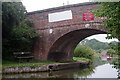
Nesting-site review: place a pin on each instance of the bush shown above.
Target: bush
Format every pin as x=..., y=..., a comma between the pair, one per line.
x=84, y=51
x=21, y=39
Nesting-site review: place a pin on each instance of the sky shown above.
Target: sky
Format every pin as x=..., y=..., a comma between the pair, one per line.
x=101, y=37
x=34, y=5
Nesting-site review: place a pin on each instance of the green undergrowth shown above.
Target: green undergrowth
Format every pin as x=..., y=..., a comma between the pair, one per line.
x=8, y=63
x=75, y=59
x=81, y=58
x=84, y=51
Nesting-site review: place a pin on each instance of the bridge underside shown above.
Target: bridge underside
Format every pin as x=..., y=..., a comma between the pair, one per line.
x=63, y=48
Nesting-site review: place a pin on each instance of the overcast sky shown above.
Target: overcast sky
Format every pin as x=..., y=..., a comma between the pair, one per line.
x=33, y=5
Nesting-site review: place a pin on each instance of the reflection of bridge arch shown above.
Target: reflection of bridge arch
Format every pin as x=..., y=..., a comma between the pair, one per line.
x=61, y=34
x=63, y=48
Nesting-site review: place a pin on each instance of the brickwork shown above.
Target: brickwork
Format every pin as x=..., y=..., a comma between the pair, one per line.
x=59, y=45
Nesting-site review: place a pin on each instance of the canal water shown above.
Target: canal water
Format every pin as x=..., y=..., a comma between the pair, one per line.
x=101, y=71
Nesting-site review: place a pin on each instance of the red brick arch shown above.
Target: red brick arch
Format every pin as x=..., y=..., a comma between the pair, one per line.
x=58, y=39
x=63, y=48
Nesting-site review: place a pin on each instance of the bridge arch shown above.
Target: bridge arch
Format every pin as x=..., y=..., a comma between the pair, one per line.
x=60, y=35
x=63, y=48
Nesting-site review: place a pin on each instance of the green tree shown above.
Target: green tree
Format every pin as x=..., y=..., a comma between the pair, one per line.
x=17, y=31
x=95, y=44
x=12, y=14
x=110, y=11
x=23, y=36
x=84, y=51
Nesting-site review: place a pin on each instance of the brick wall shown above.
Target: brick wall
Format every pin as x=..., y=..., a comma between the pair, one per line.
x=65, y=34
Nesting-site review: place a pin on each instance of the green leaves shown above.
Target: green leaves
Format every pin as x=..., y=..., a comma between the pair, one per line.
x=110, y=10
x=17, y=32
x=25, y=30
x=12, y=13
x=23, y=36
x=83, y=51
x=95, y=44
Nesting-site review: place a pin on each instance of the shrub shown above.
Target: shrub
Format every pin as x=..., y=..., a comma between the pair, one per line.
x=84, y=51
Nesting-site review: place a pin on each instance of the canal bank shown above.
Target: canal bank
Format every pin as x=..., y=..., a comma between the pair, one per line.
x=101, y=71
x=49, y=67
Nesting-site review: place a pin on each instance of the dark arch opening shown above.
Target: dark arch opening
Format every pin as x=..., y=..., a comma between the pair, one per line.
x=63, y=48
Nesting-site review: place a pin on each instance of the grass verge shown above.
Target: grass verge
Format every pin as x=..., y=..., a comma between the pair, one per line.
x=81, y=58
x=8, y=63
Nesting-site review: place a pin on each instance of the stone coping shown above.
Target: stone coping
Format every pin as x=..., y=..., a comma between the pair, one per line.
x=49, y=67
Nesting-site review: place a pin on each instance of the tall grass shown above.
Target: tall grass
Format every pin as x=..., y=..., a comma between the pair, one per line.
x=84, y=51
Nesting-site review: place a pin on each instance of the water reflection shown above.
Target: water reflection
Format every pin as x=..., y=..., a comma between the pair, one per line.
x=102, y=71
x=68, y=73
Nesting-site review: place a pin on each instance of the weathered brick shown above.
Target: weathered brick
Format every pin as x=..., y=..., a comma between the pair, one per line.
x=60, y=44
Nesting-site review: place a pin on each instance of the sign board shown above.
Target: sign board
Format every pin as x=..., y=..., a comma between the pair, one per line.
x=88, y=16
x=60, y=16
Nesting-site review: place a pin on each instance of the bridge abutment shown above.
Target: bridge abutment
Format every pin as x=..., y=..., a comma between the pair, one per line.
x=59, y=35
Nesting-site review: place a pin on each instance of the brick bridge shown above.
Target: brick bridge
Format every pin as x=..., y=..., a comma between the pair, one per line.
x=62, y=28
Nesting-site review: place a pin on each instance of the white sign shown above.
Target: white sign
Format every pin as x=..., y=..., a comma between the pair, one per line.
x=59, y=16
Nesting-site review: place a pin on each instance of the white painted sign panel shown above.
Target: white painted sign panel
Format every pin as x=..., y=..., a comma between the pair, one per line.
x=60, y=16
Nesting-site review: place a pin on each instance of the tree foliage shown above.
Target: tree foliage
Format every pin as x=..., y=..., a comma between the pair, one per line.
x=17, y=32
x=23, y=36
x=12, y=13
x=110, y=11
x=84, y=51
x=95, y=44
